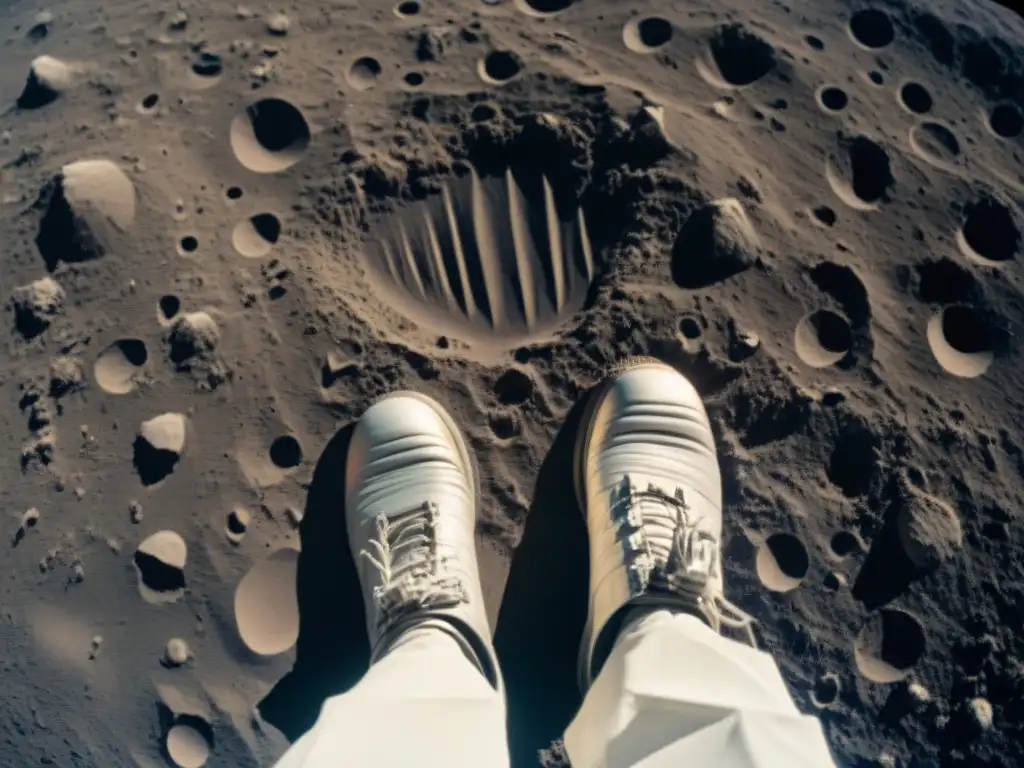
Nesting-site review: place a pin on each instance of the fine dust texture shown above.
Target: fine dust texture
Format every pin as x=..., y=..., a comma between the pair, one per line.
x=226, y=230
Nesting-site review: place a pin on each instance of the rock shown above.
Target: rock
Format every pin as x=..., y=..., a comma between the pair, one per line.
x=47, y=79
x=647, y=134
x=67, y=374
x=278, y=24
x=192, y=336
x=716, y=242
x=159, y=446
x=176, y=653
x=35, y=305
x=178, y=21
x=929, y=530
x=84, y=207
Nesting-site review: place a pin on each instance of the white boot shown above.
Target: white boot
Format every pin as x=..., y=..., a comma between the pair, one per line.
x=411, y=500
x=647, y=478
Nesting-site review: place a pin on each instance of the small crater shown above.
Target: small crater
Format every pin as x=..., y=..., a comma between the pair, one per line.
x=943, y=281
x=504, y=424
x=118, y=366
x=1006, y=121
x=543, y=7
x=888, y=646
x=853, y=464
x=826, y=690
x=483, y=112
x=160, y=567
x=872, y=28
x=256, y=236
x=935, y=143
x=207, y=65
x=961, y=339
x=407, y=8
x=233, y=193
x=689, y=327
x=814, y=42
x=782, y=562
x=499, y=66
x=823, y=338
x=363, y=73
x=859, y=173
x=148, y=103
x=270, y=136
x=876, y=77
x=286, y=452
x=237, y=524
x=646, y=35
x=188, y=244
x=168, y=307
x=740, y=56
x=916, y=98
x=832, y=99
x=414, y=79
x=989, y=235
x=514, y=387
x=845, y=543
x=825, y=215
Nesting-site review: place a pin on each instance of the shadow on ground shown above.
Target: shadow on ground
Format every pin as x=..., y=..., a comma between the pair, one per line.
x=539, y=625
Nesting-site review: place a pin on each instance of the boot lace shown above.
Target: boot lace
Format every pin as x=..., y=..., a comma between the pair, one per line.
x=688, y=568
x=412, y=569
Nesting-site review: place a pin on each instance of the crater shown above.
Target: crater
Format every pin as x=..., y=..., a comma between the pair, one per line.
x=499, y=67
x=286, y=452
x=117, y=368
x=832, y=99
x=823, y=338
x=782, y=562
x=1005, y=121
x=363, y=73
x=859, y=173
x=872, y=28
x=646, y=35
x=915, y=98
x=255, y=237
x=962, y=340
x=271, y=135
x=989, y=234
x=543, y=7
x=738, y=57
x=888, y=646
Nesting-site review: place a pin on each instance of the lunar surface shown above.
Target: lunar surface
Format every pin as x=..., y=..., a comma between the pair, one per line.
x=225, y=230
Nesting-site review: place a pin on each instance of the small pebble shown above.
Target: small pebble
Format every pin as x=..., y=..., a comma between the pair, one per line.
x=135, y=510
x=176, y=653
x=78, y=573
x=243, y=13
x=278, y=24
x=294, y=514
x=980, y=711
x=94, y=646
x=30, y=518
x=178, y=21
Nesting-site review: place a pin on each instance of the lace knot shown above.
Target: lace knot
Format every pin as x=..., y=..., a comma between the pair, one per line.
x=406, y=555
x=687, y=567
